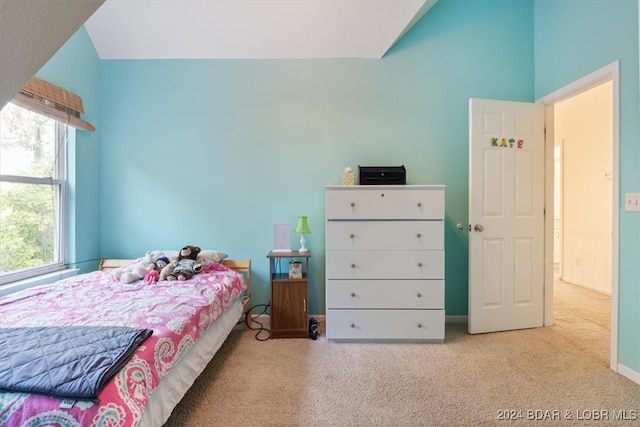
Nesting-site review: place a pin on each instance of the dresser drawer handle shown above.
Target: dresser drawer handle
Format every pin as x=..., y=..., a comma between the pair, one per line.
x=353, y=204
x=419, y=204
x=352, y=235
x=419, y=235
x=419, y=325
x=353, y=325
x=419, y=264
x=353, y=266
x=419, y=295
x=353, y=294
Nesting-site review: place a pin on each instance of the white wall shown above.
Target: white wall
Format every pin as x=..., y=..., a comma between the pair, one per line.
x=583, y=128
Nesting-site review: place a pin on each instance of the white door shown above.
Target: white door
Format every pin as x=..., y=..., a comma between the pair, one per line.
x=506, y=215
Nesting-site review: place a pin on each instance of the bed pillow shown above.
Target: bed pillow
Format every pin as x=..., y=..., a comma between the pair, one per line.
x=207, y=254
x=211, y=255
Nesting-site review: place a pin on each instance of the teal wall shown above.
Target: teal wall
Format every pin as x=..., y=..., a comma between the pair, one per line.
x=214, y=152
x=75, y=67
x=567, y=48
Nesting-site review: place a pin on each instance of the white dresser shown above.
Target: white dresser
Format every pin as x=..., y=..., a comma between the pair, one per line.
x=385, y=262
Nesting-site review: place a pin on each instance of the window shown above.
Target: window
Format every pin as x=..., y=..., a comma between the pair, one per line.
x=32, y=194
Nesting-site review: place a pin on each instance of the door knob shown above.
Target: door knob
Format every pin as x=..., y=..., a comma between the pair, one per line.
x=479, y=228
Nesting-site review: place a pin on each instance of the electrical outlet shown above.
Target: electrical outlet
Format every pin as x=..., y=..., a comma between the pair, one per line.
x=632, y=202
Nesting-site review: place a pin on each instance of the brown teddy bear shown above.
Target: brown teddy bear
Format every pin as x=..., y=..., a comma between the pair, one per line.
x=184, y=267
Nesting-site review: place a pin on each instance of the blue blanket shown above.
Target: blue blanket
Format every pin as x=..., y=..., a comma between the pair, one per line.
x=65, y=361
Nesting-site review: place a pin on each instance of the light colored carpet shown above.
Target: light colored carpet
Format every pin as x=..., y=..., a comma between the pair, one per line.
x=560, y=371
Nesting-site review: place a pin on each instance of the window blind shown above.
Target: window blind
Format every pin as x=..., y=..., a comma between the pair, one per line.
x=54, y=102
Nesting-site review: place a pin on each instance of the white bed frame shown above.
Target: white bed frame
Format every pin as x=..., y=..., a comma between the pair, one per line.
x=177, y=382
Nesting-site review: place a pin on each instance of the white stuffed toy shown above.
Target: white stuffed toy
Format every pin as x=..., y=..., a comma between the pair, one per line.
x=137, y=270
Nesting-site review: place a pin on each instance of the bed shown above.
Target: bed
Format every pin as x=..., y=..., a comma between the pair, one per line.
x=190, y=320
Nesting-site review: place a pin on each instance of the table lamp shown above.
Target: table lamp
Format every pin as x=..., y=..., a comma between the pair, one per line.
x=302, y=228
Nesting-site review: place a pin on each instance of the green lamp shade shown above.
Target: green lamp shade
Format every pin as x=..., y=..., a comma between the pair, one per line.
x=302, y=227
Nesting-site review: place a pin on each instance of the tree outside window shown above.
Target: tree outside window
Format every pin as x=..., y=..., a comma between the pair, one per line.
x=32, y=193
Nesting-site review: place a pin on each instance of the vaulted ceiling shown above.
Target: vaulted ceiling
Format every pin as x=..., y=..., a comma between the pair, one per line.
x=31, y=31
x=159, y=29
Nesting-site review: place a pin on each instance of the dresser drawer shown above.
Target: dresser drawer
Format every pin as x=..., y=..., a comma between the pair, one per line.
x=385, y=264
x=385, y=235
x=385, y=325
x=381, y=202
x=409, y=294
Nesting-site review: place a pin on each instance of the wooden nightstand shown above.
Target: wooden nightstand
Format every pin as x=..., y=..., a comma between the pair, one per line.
x=289, y=297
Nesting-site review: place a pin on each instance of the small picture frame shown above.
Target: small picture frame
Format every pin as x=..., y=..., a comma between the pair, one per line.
x=281, y=238
x=295, y=269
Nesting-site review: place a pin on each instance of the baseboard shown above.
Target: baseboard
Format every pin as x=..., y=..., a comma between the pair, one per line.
x=264, y=319
x=629, y=373
x=456, y=319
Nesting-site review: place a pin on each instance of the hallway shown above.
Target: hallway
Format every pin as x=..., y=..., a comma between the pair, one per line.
x=583, y=316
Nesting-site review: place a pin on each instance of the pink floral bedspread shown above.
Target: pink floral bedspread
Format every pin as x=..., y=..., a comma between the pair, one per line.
x=177, y=312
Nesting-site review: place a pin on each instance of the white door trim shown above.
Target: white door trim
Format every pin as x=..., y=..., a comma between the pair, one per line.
x=606, y=73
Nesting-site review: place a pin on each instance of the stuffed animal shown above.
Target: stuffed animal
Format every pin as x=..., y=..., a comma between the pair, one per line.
x=138, y=270
x=184, y=267
x=154, y=274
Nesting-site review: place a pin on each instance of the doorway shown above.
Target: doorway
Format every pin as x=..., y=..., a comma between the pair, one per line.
x=581, y=258
x=583, y=216
x=583, y=188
